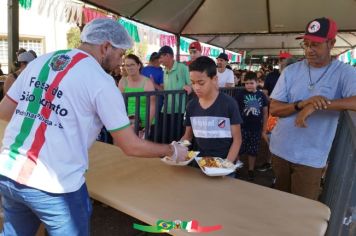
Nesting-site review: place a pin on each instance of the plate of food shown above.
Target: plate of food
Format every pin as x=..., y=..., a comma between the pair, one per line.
x=216, y=166
x=186, y=143
x=189, y=158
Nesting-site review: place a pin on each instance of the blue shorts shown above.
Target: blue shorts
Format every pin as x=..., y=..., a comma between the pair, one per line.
x=62, y=214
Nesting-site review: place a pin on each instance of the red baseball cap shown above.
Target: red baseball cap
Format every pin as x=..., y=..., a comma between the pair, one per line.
x=195, y=45
x=319, y=30
x=285, y=55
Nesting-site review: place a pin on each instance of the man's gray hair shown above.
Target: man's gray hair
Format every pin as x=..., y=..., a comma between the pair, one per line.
x=99, y=31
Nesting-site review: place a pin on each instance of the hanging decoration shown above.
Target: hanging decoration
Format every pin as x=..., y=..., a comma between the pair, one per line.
x=67, y=11
x=214, y=52
x=340, y=57
x=131, y=28
x=229, y=55
x=205, y=51
x=147, y=35
x=353, y=56
x=348, y=56
x=26, y=4
x=80, y=14
x=169, y=40
x=91, y=14
x=73, y=13
x=184, y=45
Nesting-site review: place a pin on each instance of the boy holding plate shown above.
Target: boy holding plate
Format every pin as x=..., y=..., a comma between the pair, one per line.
x=212, y=118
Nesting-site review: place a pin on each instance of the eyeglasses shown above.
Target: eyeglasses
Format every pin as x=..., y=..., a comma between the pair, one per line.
x=130, y=65
x=312, y=45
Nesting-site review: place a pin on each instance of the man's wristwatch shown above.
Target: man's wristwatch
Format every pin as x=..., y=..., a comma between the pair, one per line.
x=296, y=107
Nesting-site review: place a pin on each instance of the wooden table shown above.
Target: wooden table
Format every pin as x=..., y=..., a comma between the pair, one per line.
x=148, y=190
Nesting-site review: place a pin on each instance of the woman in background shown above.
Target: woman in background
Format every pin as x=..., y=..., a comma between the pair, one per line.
x=135, y=82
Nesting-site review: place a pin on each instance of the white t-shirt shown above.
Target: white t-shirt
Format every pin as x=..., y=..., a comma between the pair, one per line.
x=63, y=100
x=227, y=77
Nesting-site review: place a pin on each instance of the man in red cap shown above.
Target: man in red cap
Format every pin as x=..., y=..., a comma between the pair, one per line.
x=308, y=96
x=194, y=51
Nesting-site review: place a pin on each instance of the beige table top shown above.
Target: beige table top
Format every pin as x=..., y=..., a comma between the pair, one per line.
x=149, y=190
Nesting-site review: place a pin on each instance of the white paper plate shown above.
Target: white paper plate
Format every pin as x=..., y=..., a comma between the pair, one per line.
x=169, y=161
x=214, y=171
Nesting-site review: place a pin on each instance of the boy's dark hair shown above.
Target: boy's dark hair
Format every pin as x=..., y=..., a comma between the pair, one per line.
x=250, y=75
x=204, y=64
x=154, y=56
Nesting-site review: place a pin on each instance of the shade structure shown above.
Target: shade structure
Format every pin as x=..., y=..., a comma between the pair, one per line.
x=260, y=27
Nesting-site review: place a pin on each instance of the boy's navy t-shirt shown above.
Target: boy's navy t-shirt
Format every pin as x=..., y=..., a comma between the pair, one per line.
x=212, y=126
x=251, y=105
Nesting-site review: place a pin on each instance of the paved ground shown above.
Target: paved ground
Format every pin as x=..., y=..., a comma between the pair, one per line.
x=110, y=222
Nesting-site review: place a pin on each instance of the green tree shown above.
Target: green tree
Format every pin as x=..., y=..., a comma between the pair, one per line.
x=129, y=51
x=73, y=37
x=141, y=50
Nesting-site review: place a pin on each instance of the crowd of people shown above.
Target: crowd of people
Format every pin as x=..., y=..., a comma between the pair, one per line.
x=59, y=102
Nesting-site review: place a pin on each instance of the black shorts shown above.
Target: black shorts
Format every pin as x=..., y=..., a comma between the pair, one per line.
x=251, y=141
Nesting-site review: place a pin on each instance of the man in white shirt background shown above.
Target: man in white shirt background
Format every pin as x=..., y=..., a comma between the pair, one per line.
x=225, y=76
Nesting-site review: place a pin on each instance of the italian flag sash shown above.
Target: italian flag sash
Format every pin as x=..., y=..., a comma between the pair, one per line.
x=60, y=63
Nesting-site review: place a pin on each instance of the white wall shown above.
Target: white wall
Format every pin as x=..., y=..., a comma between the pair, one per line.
x=31, y=24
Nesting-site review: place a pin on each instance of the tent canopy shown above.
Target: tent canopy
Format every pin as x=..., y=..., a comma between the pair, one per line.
x=261, y=27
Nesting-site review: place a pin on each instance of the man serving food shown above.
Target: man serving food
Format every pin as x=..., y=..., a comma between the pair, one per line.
x=55, y=110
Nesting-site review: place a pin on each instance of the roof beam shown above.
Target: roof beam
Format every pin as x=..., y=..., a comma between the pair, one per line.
x=344, y=40
x=238, y=36
x=278, y=48
x=352, y=33
x=191, y=16
x=141, y=8
x=343, y=52
x=117, y=13
x=246, y=33
x=211, y=40
x=258, y=33
x=268, y=16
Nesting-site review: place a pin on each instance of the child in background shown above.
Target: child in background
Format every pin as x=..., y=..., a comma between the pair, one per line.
x=212, y=117
x=253, y=106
